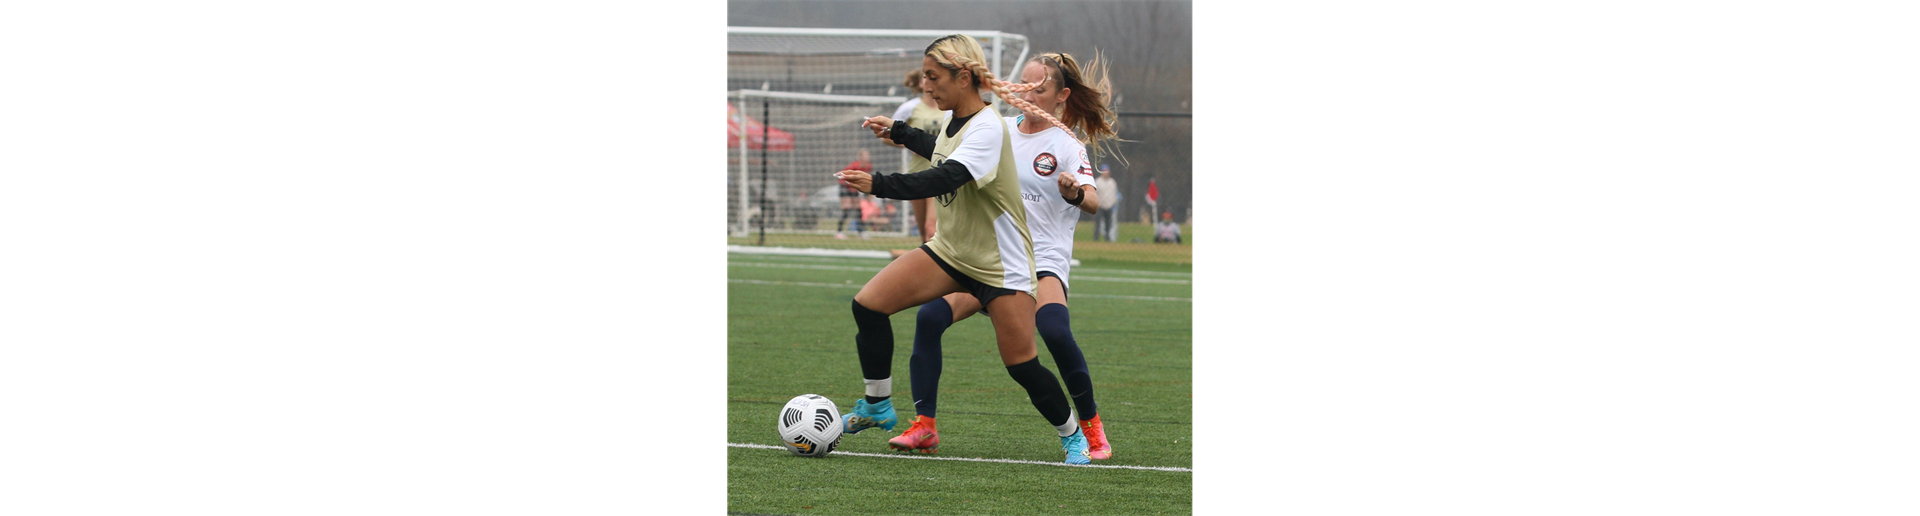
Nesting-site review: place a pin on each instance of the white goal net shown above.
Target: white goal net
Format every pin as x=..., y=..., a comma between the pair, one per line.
x=796, y=98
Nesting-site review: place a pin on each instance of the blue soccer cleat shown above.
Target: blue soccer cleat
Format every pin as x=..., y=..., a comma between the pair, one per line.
x=866, y=416
x=1076, y=446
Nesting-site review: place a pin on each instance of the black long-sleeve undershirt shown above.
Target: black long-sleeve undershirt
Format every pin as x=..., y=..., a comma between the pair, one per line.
x=932, y=182
x=918, y=141
x=939, y=180
x=921, y=142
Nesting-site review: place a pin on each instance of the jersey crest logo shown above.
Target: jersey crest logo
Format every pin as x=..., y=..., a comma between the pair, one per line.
x=1044, y=164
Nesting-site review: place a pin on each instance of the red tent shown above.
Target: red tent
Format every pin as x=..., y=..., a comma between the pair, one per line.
x=781, y=140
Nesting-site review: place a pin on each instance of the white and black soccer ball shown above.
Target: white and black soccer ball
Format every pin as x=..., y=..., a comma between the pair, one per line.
x=810, y=425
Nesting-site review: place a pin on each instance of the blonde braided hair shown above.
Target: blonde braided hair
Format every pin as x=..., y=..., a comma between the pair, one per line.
x=960, y=51
x=1028, y=107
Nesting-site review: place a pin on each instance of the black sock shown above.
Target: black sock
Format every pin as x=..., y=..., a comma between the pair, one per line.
x=924, y=365
x=875, y=344
x=1057, y=332
x=1043, y=389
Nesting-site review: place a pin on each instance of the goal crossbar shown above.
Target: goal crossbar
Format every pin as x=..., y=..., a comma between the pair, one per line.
x=822, y=97
x=905, y=33
x=996, y=39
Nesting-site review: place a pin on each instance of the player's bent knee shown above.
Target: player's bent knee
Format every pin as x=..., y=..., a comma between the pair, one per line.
x=863, y=315
x=936, y=314
x=1054, y=323
x=877, y=303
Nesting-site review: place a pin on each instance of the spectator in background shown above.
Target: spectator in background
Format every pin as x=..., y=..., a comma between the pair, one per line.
x=1153, y=200
x=876, y=213
x=1166, y=231
x=850, y=198
x=1107, y=222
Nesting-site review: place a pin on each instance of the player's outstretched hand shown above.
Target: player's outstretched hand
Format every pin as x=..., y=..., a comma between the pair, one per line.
x=858, y=180
x=881, y=126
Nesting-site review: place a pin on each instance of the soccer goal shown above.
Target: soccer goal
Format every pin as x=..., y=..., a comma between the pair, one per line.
x=785, y=148
x=796, y=98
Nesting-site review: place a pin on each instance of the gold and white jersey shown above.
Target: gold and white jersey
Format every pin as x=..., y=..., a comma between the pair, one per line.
x=982, y=228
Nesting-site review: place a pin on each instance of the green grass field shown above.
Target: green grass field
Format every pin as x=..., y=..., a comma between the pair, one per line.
x=790, y=332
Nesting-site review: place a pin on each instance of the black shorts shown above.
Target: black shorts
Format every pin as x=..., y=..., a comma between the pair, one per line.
x=980, y=291
x=1035, y=290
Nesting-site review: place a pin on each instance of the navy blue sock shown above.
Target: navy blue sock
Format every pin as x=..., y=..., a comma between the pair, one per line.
x=1057, y=332
x=1043, y=390
x=875, y=344
x=934, y=318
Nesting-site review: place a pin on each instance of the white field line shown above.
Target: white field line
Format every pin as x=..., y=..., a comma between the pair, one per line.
x=763, y=282
x=970, y=459
x=788, y=251
x=882, y=262
x=1077, y=277
x=813, y=259
x=1125, y=272
x=842, y=253
x=771, y=265
x=877, y=269
x=853, y=286
x=1135, y=298
x=832, y=256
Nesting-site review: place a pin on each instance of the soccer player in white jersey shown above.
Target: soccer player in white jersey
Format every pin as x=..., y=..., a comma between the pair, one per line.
x=981, y=245
x=1056, y=185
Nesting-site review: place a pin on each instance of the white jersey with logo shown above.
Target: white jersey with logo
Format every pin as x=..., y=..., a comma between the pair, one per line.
x=1041, y=158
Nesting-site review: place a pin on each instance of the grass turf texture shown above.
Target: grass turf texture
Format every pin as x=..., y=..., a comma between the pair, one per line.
x=790, y=332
